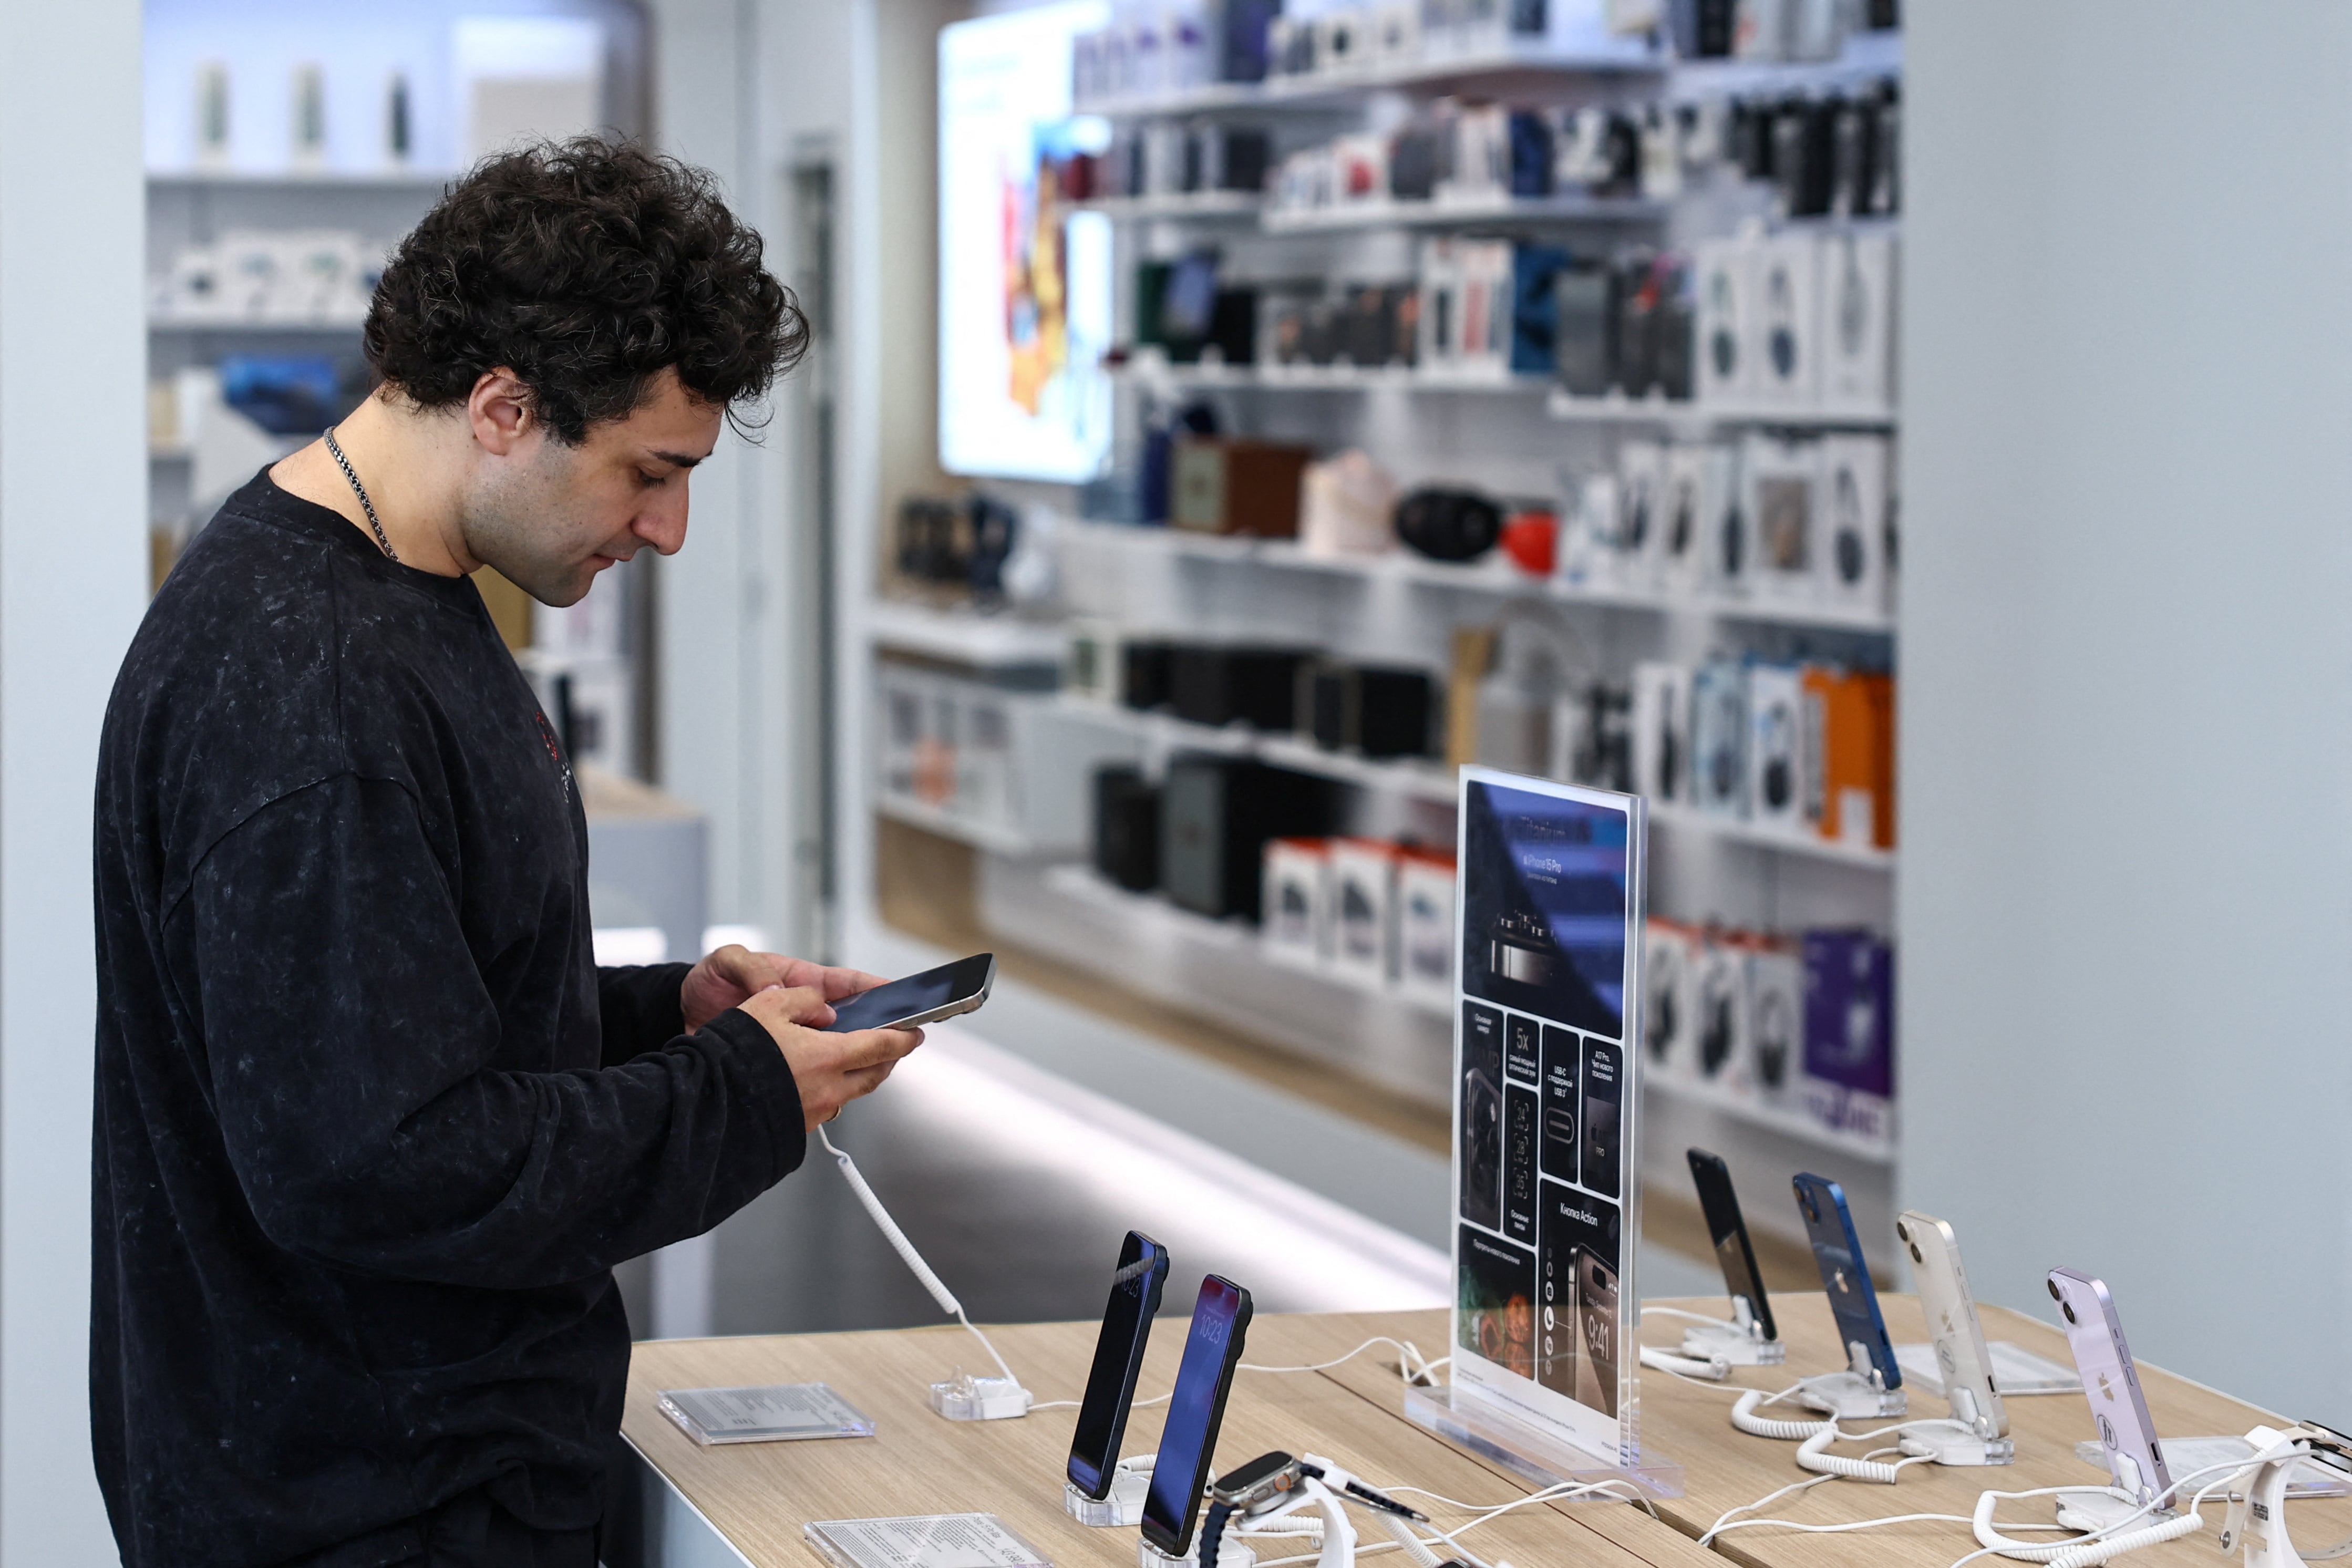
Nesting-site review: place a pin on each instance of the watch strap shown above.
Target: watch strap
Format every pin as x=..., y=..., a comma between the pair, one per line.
x=1212, y=1532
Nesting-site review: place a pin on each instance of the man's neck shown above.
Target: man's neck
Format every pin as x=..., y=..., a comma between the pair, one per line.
x=408, y=461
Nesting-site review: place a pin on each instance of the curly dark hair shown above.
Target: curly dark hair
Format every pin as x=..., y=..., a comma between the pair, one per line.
x=585, y=267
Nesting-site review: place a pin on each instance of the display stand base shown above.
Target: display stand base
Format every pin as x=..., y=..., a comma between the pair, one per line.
x=1850, y=1396
x=1123, y=1507
x=1231, y=1553
x=1469, y=1422
x=967, y=1399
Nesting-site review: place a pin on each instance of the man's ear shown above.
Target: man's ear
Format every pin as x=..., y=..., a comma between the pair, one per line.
x=499, y=411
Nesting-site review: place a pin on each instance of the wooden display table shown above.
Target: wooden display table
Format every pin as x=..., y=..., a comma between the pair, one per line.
x=756, y=1496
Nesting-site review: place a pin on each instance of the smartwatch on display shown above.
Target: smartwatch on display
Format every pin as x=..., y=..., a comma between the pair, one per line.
x=1268, y=1476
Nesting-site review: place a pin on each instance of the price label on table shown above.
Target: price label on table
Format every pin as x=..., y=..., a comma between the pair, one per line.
x=923, y=1541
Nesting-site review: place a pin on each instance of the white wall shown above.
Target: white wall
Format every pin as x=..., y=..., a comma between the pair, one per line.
x=2127, y=699
x=73, y=483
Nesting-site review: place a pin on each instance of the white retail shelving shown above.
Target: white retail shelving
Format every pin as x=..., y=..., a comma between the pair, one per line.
x=963, y=637
x=1487, y=72
x=987, y=835
x=1505, y=211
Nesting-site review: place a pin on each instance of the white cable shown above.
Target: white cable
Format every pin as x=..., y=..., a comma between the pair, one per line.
x=1744, y=1416
x=1731, y=1514
x=1403, y=1530
x=1650, y=1311
x=1411, y=1365
x=1689, y=1368
x=905, y=1250
x=2101, y=1545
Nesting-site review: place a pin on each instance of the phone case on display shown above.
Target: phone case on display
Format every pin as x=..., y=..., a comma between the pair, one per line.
x=1781, y=481
x=1850, y=1010
x=1718, y=1018
x=1776, y=1040
x=1855, y=523
x=1641, y=498
x=1858, y=317
x=1785, y=336
x=1662, y=733
x=1297, y=903
x=1682, y=513
x=1720, y=731
x=1666, y=1020
x=1425, y=893
x=1778, y=790
x=1726, y=293
x=1363, y=909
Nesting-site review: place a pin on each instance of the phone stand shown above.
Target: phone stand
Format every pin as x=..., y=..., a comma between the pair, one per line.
x=1739, y=1343
x=1231, y=1553
x=964, y=1397
x=1858, y=1394
x=1124, y=1507
x=2257, y=1515
x=1338, y=1532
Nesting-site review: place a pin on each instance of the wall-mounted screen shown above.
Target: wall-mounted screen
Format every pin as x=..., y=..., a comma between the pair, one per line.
x=1546, y=1193
x=1024, y=282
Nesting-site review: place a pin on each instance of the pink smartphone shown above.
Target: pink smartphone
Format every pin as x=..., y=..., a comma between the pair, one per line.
x=2111, y=1383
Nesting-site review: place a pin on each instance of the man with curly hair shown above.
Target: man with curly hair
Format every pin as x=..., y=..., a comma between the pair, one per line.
x=372, y=1127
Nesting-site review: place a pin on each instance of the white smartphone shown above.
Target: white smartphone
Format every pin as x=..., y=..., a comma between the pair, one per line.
x=925, y=998
x=1952, y=1323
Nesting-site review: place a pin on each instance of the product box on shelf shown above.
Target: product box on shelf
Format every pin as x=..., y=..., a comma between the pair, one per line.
x=1090, y=661
x=1642, y=480
x=1232, y=485
x=1682, y=512
x=1215, y=814
x=1662, y=733
x=1776, y=1000
x=1667, y=961
x=1364, y=910
x=1727, y=526
x=1849, y=978
x=1593, y=511
x=1777, y=786
x=1850, y=728
x=1222, y=683
x=1297, y=901
x=1379, y=711
x=1726, y=306
x=1782, y=481
x=1785, y=320
x=1719, y=990
x=1855, y=523
x=1424, y=902
x=1127, y=827
x=1146, y=672
x=1719, y=738
x=1858, y=354
x=1466, y=307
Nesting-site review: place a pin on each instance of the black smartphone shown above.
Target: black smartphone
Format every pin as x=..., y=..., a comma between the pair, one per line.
x=925, y=998
x=1854, y=1300
x=1729, y=1231
x=1119, y=1357
x=1188, y=1443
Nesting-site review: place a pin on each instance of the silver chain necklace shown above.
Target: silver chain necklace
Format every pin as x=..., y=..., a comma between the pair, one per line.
x=360, y=490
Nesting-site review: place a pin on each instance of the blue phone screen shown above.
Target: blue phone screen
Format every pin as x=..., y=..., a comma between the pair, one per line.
x=1188, y=1441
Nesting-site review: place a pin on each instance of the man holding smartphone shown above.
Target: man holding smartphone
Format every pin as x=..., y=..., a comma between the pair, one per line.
x=372, y=1126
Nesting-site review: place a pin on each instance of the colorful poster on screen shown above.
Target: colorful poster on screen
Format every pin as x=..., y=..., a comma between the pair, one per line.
x=1544, y=1151
x=1024, y=279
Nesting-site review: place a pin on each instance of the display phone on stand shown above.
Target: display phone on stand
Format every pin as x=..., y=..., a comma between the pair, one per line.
x=1729, y=1231
x=2111, y=1383
x=943, y=992
x=1119, y=1359
x=1188, y=1443
x=1953, y=1328
x=1854, y=1300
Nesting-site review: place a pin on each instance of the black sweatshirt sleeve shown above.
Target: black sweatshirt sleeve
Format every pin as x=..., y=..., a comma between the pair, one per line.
x=641, y=1006
x=348, y=1037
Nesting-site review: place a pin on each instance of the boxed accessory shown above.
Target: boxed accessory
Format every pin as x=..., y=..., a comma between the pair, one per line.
x=1127, y=827
x=1856, y=523
x=1775, y=1001
x=1090, y=661
x=1682, y=511
x=1380, y=712
x=1725, y=306
x=1215, y=814
x=1584, y=329
x=1719, y=738
x=1222, y=683
x=1786, y=322
x=1666, y=962
x=1719, y=1013
x=1782, y=480
x=1588, y=556
x=1424, y=899
x=1858, y=311
x=1236, y=485
x=1146, y=671
x=1662, y=732
x=1297, y=897
x=1363, y=909
x=1535, y=316
x=1778, y=791
x=1727, y=524
x=1853, y=717
x=1641, y=478
x=1849, y=1011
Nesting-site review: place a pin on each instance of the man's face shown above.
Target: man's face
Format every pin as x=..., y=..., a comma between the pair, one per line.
x=550, y=517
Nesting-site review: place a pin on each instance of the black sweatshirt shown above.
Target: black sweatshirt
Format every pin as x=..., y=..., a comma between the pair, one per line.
x=372, y=1128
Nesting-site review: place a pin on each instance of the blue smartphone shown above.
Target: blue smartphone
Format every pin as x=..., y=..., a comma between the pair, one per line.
x=1188, y=1443
x=1118, y=1356
x=1853, y=1302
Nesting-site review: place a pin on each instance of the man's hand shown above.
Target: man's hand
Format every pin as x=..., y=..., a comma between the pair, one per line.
x=831, y=1070
x=732, y=974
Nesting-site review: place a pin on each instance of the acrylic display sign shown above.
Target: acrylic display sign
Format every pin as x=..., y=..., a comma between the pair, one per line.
x=1544, y=1150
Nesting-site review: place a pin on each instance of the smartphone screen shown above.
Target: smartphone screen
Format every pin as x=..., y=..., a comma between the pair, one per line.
x=1853, y=1302
x=1729, y=1231
x=1188, y=1443
x=1119, y=1357
x=918, y=997
x=2111, y=1383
